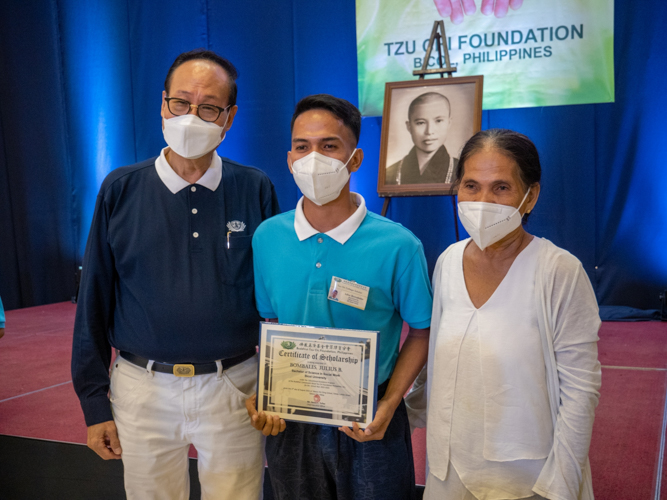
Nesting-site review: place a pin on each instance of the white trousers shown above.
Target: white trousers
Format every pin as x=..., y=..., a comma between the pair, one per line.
x=158, y=416
x=453, y=489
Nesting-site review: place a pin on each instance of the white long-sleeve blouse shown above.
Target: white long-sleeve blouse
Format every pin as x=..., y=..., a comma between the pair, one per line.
x=561, y=363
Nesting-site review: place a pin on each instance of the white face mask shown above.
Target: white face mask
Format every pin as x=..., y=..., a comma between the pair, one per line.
x=488, y=223
x=320, y=178
x=191, y=137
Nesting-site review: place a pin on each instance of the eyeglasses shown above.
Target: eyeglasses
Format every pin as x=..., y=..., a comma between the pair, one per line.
x=207, y=112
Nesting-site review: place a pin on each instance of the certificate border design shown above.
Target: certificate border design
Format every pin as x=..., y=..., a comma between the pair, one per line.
x=270, y=332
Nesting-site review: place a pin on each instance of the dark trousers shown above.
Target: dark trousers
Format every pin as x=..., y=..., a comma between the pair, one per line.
x=315, y=462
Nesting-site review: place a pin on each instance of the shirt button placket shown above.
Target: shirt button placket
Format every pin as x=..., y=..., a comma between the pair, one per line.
x=195, y=230
x=320, y=252
x=316, y=282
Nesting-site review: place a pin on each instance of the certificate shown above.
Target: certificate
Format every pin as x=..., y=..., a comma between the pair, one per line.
x=325, y=376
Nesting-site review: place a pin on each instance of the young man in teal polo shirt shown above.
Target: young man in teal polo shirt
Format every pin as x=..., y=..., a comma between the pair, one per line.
x=296, y=255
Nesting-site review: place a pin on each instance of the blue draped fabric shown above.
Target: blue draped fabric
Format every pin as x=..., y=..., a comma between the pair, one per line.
x=80, y=95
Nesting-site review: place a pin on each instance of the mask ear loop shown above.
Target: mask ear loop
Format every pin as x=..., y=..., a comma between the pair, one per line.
x=348, y=160
x=224, y=125
x=524, y=199
x=520, y=204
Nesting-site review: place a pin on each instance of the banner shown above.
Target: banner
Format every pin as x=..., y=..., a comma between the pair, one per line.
x=545, y=53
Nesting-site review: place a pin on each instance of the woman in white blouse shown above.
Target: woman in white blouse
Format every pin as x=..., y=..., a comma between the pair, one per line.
x=513, y=374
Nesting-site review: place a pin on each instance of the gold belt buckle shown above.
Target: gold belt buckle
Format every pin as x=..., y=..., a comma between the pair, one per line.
x=184, y=370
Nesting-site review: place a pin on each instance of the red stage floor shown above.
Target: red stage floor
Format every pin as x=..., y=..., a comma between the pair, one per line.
x=37, y=400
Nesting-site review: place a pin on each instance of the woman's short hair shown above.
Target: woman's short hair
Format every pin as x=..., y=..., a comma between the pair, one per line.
x=512, y=144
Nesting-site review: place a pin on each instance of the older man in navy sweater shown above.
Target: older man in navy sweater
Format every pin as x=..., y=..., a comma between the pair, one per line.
x=168, y=282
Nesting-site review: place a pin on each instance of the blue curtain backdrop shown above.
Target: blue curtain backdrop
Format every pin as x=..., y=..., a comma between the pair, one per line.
x=80, y=87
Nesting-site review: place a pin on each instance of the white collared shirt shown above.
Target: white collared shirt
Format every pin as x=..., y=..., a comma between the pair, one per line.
x=174, y=182
x=341, y=233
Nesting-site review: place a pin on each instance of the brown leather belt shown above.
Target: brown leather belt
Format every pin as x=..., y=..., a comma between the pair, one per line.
x=187, y=369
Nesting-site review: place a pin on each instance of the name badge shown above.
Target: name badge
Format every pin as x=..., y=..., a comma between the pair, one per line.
x=349, y=293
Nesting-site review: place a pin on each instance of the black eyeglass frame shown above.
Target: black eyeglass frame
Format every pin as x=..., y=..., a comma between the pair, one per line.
x=196, y=106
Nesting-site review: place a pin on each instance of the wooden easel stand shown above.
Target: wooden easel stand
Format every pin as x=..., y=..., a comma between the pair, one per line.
x=439, y=38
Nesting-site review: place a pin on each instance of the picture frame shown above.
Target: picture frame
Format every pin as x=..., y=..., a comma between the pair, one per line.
x=424, y=127
x=317, y=375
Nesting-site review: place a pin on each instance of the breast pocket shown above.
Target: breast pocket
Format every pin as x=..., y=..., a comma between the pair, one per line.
x=236, y=257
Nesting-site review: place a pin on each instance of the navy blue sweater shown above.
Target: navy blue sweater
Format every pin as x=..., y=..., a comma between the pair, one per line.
x=151, y=288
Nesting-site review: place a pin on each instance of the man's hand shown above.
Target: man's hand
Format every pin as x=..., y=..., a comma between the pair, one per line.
x=2, y=332
x=376, y=429
x=410, y=361
x=103, y=440
x=454, y=9
x=270, y=425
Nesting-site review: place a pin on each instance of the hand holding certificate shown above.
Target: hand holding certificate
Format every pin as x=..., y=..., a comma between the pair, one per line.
x=323, y=376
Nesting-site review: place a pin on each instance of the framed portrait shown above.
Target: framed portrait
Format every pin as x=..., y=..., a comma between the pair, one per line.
x=425, y=125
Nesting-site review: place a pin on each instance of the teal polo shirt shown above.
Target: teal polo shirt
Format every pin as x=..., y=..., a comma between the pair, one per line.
x=293, y=272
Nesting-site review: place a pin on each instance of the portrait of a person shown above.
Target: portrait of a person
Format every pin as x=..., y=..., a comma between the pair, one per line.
x=428, y=162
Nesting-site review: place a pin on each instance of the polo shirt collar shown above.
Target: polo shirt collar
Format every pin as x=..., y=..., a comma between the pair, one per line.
x=174, y=182
x=341, y=233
